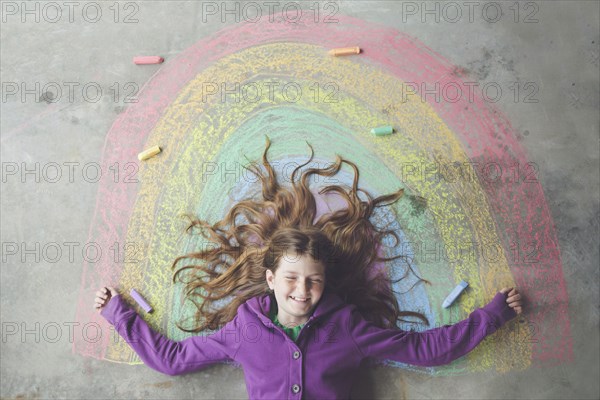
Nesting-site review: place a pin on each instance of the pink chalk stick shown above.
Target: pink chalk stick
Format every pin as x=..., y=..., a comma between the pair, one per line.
x=140, y=300
x=148, y=60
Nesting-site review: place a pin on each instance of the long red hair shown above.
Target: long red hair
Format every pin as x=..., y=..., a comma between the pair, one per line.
x=345, y=241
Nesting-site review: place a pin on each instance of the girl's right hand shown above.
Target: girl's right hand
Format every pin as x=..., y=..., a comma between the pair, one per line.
x=103, y=296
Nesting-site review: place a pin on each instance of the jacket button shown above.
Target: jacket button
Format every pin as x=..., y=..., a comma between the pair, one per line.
x=296, y=355
x=295, y=388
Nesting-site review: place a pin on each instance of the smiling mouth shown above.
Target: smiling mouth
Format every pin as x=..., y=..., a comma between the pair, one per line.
x=299, y=300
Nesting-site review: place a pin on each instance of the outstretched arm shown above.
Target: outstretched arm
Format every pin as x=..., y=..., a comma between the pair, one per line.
x=163, y=354
x=435, y=346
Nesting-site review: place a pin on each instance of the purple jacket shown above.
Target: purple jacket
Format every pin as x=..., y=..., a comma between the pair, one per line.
x=324, y=360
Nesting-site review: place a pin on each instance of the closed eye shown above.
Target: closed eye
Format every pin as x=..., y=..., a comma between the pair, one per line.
x=314, y=280
x=291, y=278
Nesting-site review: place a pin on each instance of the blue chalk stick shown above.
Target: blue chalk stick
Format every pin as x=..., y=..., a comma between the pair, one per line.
x=454, y=294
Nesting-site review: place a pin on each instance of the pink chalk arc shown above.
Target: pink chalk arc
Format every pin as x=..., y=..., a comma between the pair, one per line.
x=521, y=214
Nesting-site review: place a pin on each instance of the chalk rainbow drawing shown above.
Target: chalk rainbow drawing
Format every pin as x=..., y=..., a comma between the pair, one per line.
x=332, y=102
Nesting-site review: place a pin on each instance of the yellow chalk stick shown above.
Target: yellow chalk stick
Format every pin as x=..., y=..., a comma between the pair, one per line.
x=344, y=51
x=151, y=152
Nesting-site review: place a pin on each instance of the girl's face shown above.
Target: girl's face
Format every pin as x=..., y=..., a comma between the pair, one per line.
x=298, y=285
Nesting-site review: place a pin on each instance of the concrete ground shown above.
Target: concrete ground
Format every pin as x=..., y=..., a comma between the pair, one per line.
x=559, y=53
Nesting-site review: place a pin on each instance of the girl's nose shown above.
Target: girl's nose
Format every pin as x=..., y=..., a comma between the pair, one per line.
x=303, y=287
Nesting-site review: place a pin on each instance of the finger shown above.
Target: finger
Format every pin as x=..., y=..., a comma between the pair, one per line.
x=515, y=304
x=512, y=299
x=504, y=290
x=513, y=292
x=113, y=291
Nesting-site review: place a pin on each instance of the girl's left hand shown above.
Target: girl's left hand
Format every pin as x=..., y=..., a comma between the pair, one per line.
x=513, y=299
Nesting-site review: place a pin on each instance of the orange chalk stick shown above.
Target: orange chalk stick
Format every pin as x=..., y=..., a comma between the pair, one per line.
x=148, y=60
x=344, y=51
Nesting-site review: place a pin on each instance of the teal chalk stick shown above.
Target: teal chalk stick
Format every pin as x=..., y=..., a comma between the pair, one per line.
x=382, y=130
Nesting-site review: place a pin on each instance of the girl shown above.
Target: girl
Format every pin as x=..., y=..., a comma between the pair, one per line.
x=305, y=306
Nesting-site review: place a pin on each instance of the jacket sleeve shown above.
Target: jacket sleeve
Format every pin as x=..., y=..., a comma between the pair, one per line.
x=165, y=355
x=432, y=347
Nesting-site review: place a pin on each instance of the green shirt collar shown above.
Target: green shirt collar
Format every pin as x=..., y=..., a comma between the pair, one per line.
x=291, y=332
